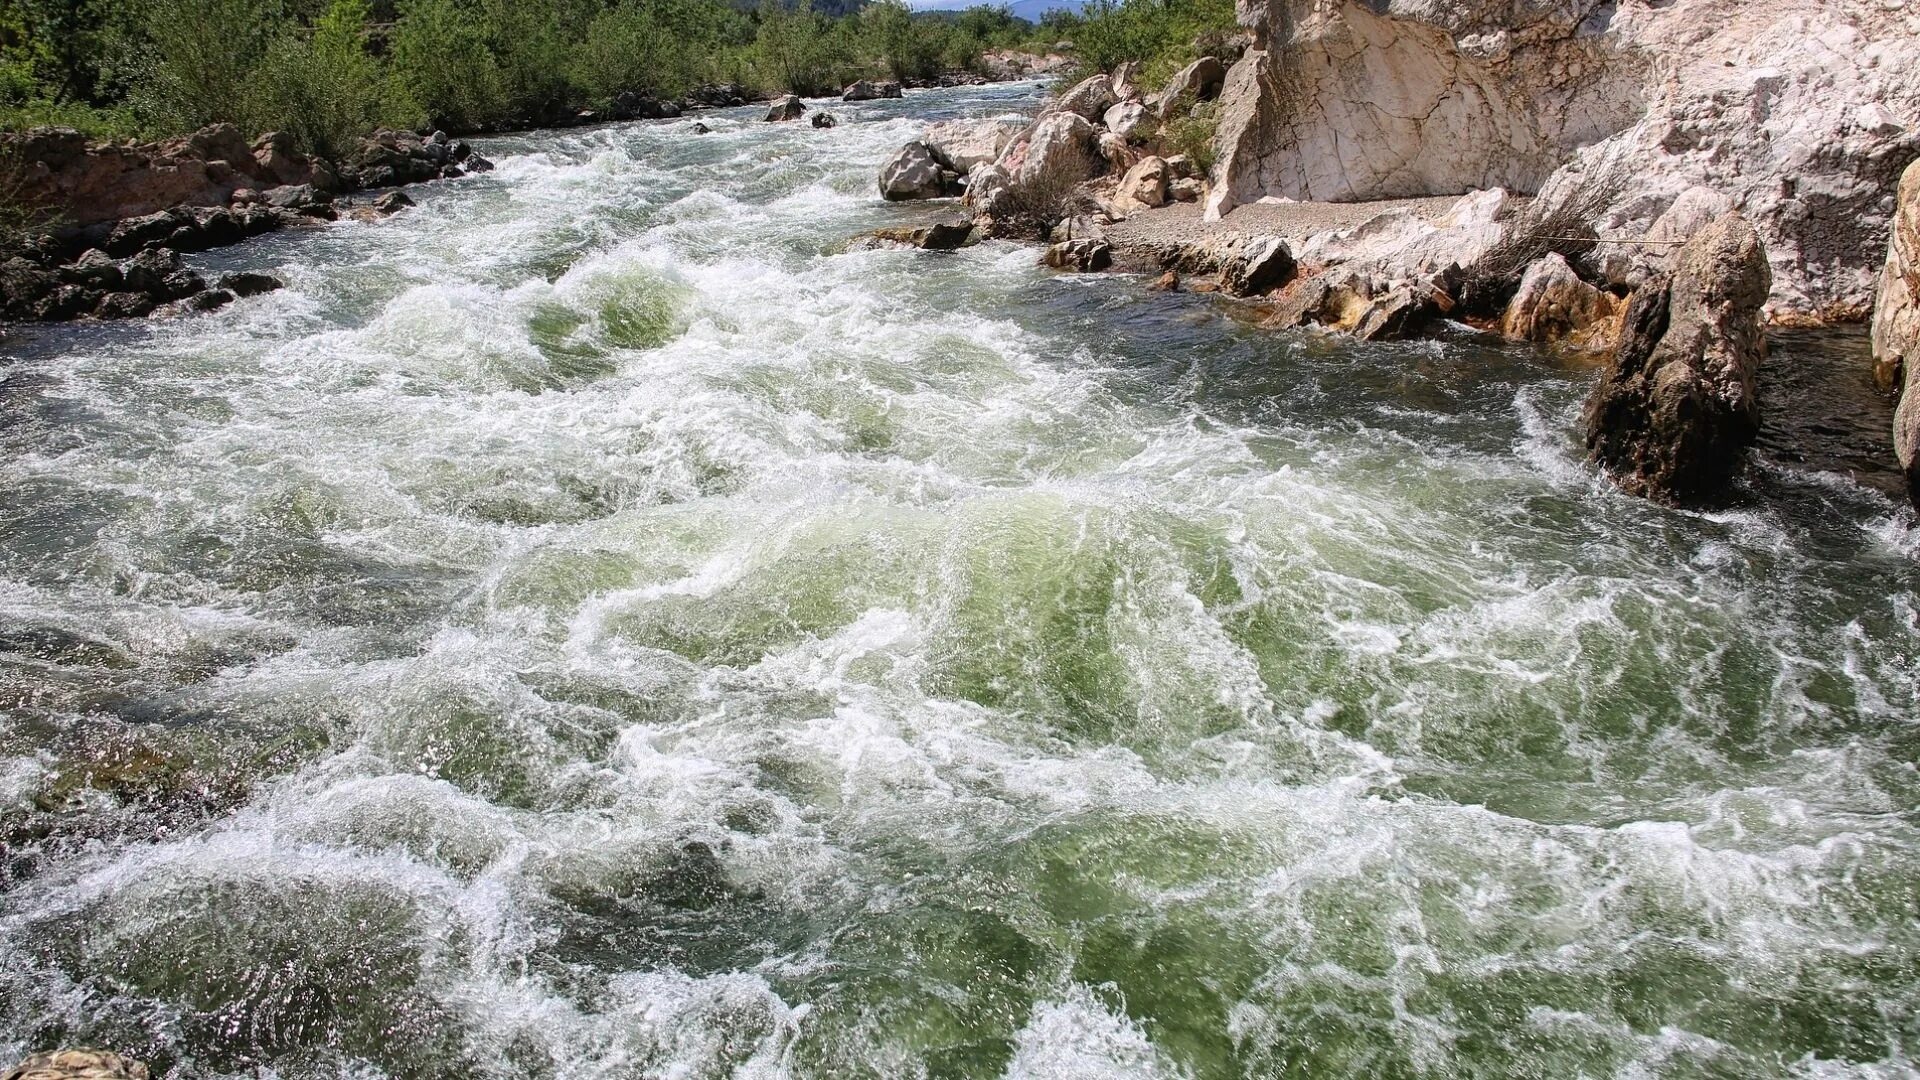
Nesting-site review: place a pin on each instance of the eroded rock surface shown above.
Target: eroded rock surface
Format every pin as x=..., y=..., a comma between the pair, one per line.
x=1675, y=412
x=1800, y=113
x=1896, y=328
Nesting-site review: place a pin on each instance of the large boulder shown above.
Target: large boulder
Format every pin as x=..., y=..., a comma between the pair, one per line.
x=1089, y=99
x=1201, y=80
x=914, y=173
x=1675, y=412
x=1896, y=327
x=1059, y=150
x=1127, y=119
x=785, y=107
x=1143, y=187
x=961, y=144
x=1802, y=113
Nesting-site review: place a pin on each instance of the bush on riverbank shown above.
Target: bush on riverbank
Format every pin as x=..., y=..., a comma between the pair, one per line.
x=1163, y=36
x=327, y=72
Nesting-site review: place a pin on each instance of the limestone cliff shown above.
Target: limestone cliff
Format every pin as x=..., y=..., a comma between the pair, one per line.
x=1800, y=113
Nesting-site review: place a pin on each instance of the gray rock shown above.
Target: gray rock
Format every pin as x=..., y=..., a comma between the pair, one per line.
x=914, y=173
x=249, y=283
x=786, y=107
x=1260, y=266
x=1201, y=80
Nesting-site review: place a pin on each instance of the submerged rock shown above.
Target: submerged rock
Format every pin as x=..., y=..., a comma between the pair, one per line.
x=823, y=120
x=249, y=283
x=77, y=1065
x=938, y=236
x=1896, y=328
x=1081, y=255
x=1675, y=412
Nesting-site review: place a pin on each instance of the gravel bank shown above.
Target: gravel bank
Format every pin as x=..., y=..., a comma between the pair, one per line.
x=1160, y=235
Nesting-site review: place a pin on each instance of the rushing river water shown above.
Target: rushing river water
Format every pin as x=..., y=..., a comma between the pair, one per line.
x=589, y=626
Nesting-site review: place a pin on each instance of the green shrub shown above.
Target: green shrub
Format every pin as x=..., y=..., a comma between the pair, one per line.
x=1190, y=131
x=322, y=87
x=444, y=74
x=198, y=60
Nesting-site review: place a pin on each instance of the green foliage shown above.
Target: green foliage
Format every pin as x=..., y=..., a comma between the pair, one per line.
x=446, y=75
x=327, y=71
x=198, y=60
x=1160, y=34
x=1190, y=131
x=322, y=88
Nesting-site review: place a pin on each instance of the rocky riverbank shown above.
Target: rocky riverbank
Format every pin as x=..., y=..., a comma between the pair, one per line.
x=1584, y=237
x=117, y=216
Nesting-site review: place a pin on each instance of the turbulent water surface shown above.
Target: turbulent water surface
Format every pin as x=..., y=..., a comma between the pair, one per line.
x=589, y=626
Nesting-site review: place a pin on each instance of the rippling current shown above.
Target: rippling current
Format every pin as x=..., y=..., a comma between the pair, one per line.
x=590, y=626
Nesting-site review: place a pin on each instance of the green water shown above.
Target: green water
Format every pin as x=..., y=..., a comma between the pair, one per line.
x=588, y=626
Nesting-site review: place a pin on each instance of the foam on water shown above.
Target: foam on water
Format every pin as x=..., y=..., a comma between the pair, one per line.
x=588, y=625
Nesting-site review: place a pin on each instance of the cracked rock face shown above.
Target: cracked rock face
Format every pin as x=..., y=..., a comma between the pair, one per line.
x=1675, y=412
x=1896, y=328
x=1798, y=113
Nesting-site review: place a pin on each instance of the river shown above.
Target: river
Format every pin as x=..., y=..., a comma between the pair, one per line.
x=590, y=626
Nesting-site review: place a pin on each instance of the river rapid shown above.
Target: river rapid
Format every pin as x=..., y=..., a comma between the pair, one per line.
x=590, y=626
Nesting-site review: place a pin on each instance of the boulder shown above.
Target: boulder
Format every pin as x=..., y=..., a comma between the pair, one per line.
x=1553, y=304
x=1127, y=119
x=700, y=128
x=1187, y=189
x=1089, y=99
x=391, y=203
x=248, y=283
x=1060, y=150
x=77, y=1065
x=1080, y=255
x=1143, y=187
x=944, y=235
x=1896, y=327
x=913, y=173
x=277, y=160
x=1257, y=266
x=1201, y=80
x=1125, y=81
x=864, y=90
x=785, y=107
x=94, y=269
x=630, y=105
x=961, y=144
x=823, y=120
x=1675, y=412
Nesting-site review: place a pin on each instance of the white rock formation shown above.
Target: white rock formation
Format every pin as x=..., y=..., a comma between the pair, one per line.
x=1896, y=327
x=962, y=144
x=1798, y=113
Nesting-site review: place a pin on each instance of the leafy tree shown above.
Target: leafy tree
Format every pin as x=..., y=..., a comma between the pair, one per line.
x=323, y=87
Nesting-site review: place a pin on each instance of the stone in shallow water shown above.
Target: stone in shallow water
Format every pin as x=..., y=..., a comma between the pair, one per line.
x=1676, y=411
x=77, y=1065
